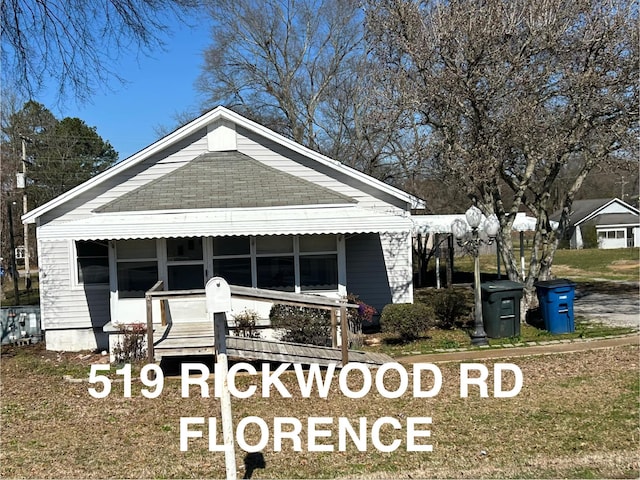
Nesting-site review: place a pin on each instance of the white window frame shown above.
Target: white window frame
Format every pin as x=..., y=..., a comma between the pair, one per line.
x=208, y=261
x=253, y=255
x=114, y=247
x=180, y=263
x=289, y=254
x=76, y=284
x=612, y=233
x=250, y=256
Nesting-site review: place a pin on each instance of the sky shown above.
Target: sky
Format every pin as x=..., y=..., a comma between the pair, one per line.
x=158, y=87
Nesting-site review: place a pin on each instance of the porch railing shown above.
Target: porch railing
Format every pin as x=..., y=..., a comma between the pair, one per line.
x=333, y=305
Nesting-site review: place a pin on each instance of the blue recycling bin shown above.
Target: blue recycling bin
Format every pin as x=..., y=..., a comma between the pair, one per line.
x=556, y=304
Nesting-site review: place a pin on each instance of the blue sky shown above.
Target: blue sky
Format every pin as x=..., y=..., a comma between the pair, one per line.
x=158, y=87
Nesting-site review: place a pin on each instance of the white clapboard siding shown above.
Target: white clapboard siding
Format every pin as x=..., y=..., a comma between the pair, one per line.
x=134, y=177
x=62, y=304
x=276, y=156
x=398, y=263
x=377, y=270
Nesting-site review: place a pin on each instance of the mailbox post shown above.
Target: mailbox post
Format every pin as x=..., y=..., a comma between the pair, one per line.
x=218, y=303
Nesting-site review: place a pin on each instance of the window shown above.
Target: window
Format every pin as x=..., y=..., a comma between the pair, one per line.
x=611, y=234
x=318, y=262
x=276, y=273
x=92, y=262
x=232, y=260
x=137, y=267
x=185, y=264
x=278, y=262
x=319, y=272
x=275, y=265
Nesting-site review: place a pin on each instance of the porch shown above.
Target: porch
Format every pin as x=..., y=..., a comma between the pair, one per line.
x=198, y=339
x=166, y=337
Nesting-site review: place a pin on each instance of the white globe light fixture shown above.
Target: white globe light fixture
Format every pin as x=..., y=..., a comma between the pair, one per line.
x=471, y=242
x=492, y=227
x=459, y=228
x=474, y=217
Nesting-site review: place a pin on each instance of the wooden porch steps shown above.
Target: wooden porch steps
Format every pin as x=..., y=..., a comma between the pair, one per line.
x=196, y=338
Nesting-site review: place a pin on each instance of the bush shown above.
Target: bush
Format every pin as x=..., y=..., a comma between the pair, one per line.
x=302, y=324
x=246, y=324
x=407, y=320
x=357, y=317
x=450, y=306
x=131, y=347
x=589, y=235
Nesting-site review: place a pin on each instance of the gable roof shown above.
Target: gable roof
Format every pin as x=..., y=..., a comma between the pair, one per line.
x=584, y=210
x=224, y=180
x=217, y=114
x=610, y=219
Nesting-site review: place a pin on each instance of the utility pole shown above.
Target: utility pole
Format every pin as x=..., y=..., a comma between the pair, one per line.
x=27, y=266
x=622, y=183
x=12, y=246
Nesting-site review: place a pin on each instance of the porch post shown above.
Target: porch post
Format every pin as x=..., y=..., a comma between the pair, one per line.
x=344, y=327
x=150, y=352
x=334, y=329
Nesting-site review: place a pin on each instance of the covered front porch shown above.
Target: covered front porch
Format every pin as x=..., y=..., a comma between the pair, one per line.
x=164, y=338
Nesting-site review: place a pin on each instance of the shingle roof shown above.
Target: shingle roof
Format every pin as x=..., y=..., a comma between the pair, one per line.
x=617, y=219
x=224, y=180
x=583, y=209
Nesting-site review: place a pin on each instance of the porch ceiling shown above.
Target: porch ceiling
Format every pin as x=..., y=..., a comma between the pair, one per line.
x=223, y=222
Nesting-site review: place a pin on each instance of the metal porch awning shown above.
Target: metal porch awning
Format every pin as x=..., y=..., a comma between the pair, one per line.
x=228, y=222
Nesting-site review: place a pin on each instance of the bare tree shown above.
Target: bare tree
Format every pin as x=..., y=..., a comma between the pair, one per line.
x=74, y=43
x=299, y=67
x=517, y=96
x=280, y=59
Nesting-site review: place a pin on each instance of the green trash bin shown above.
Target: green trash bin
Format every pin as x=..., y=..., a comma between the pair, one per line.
x=501, y=308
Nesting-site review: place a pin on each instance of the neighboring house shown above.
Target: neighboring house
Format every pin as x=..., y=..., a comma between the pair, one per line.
x=221, y=196
x=617, y=223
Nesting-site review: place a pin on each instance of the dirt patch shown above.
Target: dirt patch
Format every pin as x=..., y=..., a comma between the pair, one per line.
x=624, y=265
x=82, y=359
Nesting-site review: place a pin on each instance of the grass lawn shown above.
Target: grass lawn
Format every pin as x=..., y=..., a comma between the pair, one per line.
x=575, y=417
x=436, y=340
x=622, y=264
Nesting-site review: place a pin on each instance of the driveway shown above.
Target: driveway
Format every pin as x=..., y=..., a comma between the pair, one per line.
x=613, y=304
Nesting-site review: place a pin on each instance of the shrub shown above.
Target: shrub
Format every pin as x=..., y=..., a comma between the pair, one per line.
x=246, y=324
x=302, y=324
x=357, y=317
x=132, y=344
x=407, y=320
x=450, y=306
x=589, y=235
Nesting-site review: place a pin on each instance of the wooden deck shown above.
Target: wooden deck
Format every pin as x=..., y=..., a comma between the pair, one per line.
x=196, y=338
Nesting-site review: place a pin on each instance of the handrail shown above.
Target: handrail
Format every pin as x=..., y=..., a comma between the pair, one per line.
x=276, y=296
x=257, y=293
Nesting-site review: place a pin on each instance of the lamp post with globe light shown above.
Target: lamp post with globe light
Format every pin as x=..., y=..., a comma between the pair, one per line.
x=471, y=242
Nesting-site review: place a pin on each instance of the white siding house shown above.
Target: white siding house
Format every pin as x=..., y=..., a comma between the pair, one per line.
x=616, y=223
x=221, y=196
